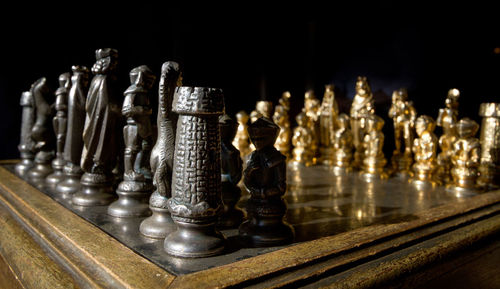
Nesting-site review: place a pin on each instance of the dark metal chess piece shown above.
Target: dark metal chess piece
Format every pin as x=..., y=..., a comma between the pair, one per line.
x=265, y=178
x=26, y=145
x=74, y=142
x=231, y=167
x=60, y=123
x=160, y=224
x=134, y=190
x=42, y=132
x=101, y=133
x=196, y=183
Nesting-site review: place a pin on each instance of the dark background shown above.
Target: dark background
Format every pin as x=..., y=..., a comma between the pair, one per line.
x=255, y=51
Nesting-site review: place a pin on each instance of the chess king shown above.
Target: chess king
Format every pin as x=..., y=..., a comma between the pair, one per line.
x=101, y=133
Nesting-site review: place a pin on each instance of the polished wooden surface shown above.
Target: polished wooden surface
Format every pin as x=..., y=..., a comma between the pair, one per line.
x=82, y=255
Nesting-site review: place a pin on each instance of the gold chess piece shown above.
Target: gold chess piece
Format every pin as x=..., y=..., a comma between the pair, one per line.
x=362, y=107
x=241, y=141
x=447, y=119
x=403, y=115
x=465, y=155
x=329, y=111
x=489, y=169
x=342, y=144
x=302, y=142
x=373, y=143
x=263, y=108
x=280, y=117
x=285, y=100
x=424, y=149
x=312, y=111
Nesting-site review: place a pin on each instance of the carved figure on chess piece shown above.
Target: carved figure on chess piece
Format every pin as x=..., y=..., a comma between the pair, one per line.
x=447, y=120
x=263, y=108
x=312, y=110
x=489, y=169
x=342, y=145
x=466, y=152
x=373, y=142
x=241, y=140
x=302, y=140
x=26, y=146
x=424, y=150
x=281, y=118
x=329, y=112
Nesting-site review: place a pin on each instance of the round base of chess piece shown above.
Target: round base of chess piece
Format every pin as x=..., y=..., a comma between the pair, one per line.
x=132, y=200
x=341, y=171
x=231, y=219
x=265, y=227
x=39, y=171
x=423, y=184
x=160, y=223
x=194, y=240
x=58, y=175
x=462, y=191
x=489, y=176
x=401, y=164
x=70, y=184
x=24, y=166
x=96, y=190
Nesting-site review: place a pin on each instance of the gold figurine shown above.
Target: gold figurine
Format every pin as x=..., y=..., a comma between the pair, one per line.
x=302, y=142
x=285, y=100
x=489, y=169
x=263, y=108
x=373, y=143
x=312, y=111
x=424, y=149
x=327, y=121
x=465, y=155
x=342, y=144
x=362, y=107
x=241, y=141
x=280, y=117
x=403, y=114
x=447, y=119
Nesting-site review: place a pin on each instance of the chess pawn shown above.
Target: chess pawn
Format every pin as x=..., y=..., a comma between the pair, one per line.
x=403, y=115
x=312, y=110
x=447, y=119
x=280, y=117
x=466, y=152
x=231, y=167
x=489, y=169
x=196, y=182
x=42, y=133
x=424, y=150
x=265, y=179
x=362, y=107
x=26, y=145
x=136, y=187
x=342, y=144
x=241, y=141
x=302, y=140
x=328, y=117
x=60, y=123
x=160, y=223
x=73, y=144
x=101, y=133
x=373, y=142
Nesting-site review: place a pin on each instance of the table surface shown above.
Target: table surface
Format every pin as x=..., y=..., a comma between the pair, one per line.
x=319, y=205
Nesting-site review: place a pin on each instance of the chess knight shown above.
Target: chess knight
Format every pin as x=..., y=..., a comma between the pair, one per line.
x=328, y=122
x=424, y=149
x=362, y=107
x=302, y=140
x=373, y=143
x=466, y=152
x=403, y=114
x=342, y=144
x=447, y=119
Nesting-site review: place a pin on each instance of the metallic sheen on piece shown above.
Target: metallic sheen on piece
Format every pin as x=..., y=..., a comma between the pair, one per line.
x=312, y=110
x=281, y=118
x=241, y=140
x=136, y=187
x=302, y=141
x=101, y=133
x=466, y=153
x=265, y=178
x=424, y=150
x=489, y=169
x=160, y=223
x=27, y=145
x=374, y=160
x=342, y=144
x=196, y=182
x=329, y=112
x=263, y=108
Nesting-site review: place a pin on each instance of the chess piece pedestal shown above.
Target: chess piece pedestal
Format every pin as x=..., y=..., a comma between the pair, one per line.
x=57, y=176
x=132, y=200
x=160, y=224
x=96, y=190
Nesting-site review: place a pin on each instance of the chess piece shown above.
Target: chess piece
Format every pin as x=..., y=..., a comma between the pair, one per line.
x=27, y=145
x=265, y=178
x=42, y=132
x=403, y=115
x=373, y=142
x=241, y=141
x=160, y=223
x=466, y=152
x=362, y=107
x=489, y=169
x=302, y=140
x=280, y=117
x=312, y=110
x=134, y=191
x=263, y=108
x=101, y=133
x=284, y=101
x=447, y=119
x=329, y=112
x=342, y=144
x=60, y=123
x=231, y=167
x=424, y=150
x=196, y=182
x=73, y=144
